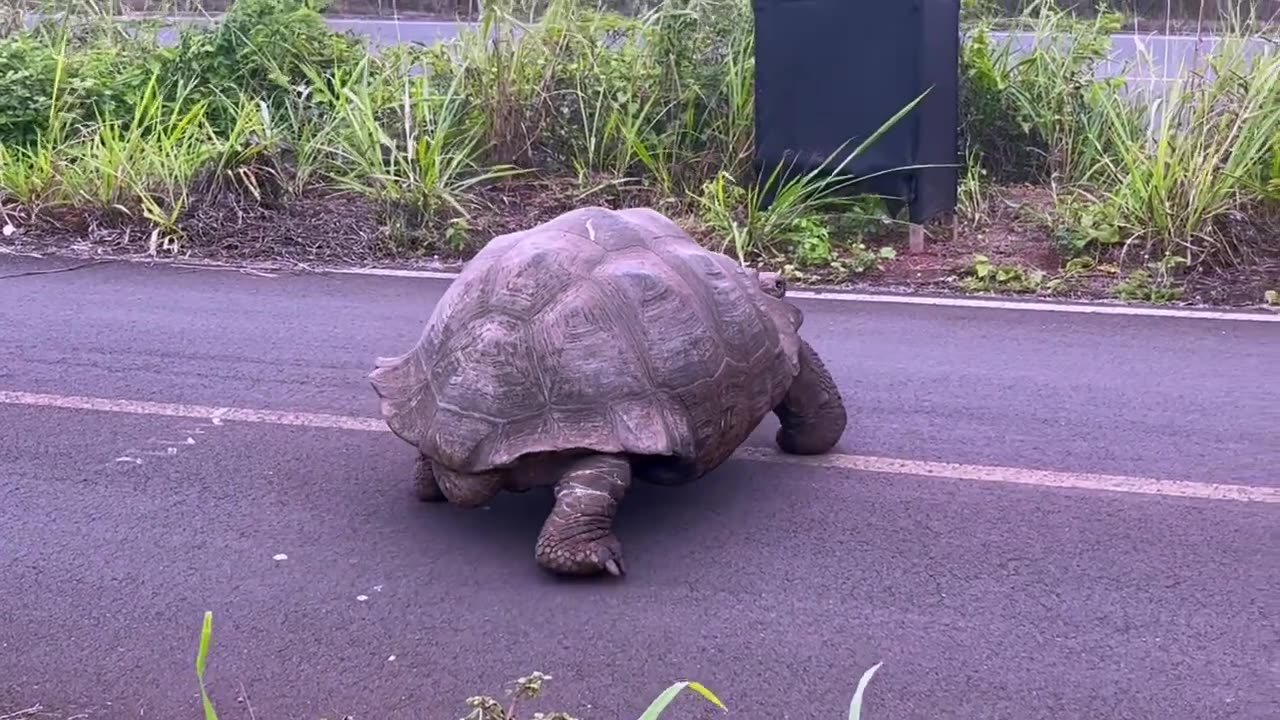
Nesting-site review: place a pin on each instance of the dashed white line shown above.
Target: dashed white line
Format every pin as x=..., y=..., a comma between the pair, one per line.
x=206, y=412
x=860, y=463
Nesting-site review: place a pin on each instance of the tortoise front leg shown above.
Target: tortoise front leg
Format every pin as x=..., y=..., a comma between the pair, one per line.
x=812, y=414
x=577, y=537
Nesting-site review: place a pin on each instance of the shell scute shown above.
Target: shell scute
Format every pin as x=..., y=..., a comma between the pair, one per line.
x=584, y=354
x=531, y=274
x=728, y=296
x=634, y=423
x=667, y=330
x=486, y=367
x=456, y=437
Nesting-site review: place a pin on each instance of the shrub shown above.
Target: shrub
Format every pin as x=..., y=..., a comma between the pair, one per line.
x=50, y=75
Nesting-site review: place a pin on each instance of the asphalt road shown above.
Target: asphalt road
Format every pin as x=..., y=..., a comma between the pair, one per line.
x=774, y=584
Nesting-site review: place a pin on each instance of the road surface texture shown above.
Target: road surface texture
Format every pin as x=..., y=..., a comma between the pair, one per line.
x=775, y=583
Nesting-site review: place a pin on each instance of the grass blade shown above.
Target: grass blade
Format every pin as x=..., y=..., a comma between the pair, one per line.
x=660, y=703
x=202, y=656
x=855, y=705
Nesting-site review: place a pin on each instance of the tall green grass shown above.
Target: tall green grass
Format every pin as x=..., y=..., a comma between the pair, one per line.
x=662, y=101
x=1171, y=179
x=655, y=107
x=1175, y=171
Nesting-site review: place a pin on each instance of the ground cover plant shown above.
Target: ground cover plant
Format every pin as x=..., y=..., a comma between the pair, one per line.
x=270, y=136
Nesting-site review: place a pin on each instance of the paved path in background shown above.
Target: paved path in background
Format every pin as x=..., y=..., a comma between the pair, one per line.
x=1148, y=59
x=775, y=583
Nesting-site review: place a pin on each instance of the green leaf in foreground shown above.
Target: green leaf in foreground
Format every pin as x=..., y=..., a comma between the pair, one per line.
x=202, y=656
x=855, y=705
x=660, y=703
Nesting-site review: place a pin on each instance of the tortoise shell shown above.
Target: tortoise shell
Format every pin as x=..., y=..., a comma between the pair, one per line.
x=601, y=330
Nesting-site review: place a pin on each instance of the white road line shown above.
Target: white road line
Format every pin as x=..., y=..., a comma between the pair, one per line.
x=927, y=300
x=860, y=463
x=269, y=271
x=1023, y=476
x=204, y=412
x=1039, y=306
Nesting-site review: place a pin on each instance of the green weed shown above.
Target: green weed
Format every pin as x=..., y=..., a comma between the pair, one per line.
x=985, y=275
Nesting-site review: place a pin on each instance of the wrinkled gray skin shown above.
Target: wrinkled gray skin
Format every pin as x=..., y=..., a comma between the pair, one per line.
x=599, y=348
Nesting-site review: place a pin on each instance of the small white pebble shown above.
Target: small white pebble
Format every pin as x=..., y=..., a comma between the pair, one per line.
x=362, y=598
x=377, y=588
x=281, y=556
x=391, y=659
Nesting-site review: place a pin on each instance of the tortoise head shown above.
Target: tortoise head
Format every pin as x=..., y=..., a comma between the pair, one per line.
x=772, y=283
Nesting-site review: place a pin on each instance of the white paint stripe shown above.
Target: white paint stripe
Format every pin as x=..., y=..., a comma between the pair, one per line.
x=205, y=412
x=860, y=463
x=269, y=270
x=1041, y=306
x=931, y=301
x=1023, y=476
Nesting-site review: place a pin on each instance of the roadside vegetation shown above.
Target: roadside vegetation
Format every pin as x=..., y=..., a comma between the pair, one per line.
x=270, y=136
x=524, y=691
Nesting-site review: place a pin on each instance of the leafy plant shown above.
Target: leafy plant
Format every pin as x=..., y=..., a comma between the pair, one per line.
x=262, y=48
x=49, y=76
x=1139, y=285
x=432, y=161
x=985, y=275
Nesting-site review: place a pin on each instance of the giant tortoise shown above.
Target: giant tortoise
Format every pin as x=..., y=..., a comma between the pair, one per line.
x=599, y=347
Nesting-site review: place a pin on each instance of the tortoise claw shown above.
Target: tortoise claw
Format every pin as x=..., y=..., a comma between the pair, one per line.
x=594, y=558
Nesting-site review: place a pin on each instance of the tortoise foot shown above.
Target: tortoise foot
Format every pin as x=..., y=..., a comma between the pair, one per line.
x=812, y=416
x=578, y=537
x=578, y=557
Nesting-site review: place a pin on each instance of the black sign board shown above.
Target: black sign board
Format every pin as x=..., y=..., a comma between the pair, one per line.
x=829, y=73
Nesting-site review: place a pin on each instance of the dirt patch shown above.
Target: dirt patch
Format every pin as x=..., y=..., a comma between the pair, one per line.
x=316, y=226
x=1239, y=284
x=1009, y=232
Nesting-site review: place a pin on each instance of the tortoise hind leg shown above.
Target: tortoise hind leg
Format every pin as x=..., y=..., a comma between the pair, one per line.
x=464, y=490
x=812, y=414
x=424, y=482
x=577, y=537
